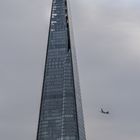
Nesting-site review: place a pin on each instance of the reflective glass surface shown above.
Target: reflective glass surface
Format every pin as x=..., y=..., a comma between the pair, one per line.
x=61, y=111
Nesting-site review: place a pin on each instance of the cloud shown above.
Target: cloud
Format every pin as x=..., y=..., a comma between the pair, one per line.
x=107, y=43
x=108, y=54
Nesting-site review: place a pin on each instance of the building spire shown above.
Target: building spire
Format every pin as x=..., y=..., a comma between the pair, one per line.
x=61, y=116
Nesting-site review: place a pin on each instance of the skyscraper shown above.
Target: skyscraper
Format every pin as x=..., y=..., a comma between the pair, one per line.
x=61, y=115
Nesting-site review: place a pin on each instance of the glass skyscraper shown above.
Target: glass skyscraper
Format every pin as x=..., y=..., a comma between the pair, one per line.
x=61, y=115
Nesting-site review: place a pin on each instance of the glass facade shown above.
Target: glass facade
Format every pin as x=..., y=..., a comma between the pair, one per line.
x=61, y=116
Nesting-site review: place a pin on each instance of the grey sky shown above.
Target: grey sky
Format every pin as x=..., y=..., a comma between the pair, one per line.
x=107, y=41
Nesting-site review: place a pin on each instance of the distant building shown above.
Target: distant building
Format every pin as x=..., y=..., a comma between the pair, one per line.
x=61, y=115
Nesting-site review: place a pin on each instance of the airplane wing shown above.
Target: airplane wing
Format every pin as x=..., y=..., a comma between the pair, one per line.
x=102, y=110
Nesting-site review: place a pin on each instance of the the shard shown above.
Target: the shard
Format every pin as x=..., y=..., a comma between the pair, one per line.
x=61, y=115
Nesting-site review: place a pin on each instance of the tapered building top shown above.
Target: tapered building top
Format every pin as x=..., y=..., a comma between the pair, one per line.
x=61, y=115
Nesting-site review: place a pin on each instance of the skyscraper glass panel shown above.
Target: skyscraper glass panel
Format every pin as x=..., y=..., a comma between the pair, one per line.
x=61, y=115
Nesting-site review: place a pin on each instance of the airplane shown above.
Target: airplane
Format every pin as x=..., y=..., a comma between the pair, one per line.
x=104, y=112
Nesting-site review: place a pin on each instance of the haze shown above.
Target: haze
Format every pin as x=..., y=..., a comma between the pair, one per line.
x=107, y=42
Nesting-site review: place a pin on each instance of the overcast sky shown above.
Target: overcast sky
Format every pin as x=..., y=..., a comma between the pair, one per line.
x=107, y=40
